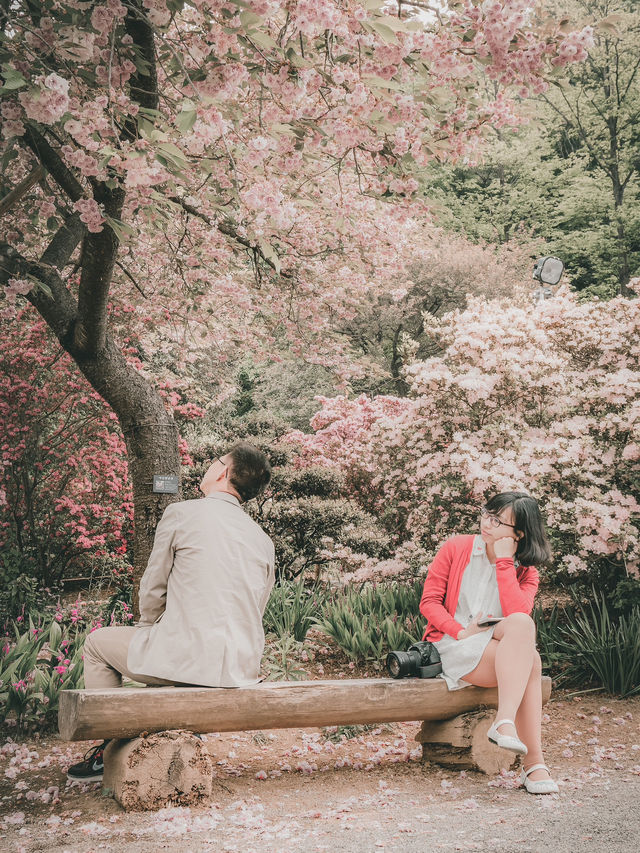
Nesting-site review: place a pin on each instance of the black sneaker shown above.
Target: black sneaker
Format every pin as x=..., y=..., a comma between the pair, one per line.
x=91, y=768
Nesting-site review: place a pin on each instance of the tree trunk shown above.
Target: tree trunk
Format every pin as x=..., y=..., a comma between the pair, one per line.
x=151, y=437
x=618, y=201
x=166, y=769
x=621, y=238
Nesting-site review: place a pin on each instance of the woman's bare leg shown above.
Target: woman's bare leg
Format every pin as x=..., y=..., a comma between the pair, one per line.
x=529, y=720
x=511, y=662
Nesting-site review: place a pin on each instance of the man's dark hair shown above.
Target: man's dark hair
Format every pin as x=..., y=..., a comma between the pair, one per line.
x=533, y=549
x=249, y=471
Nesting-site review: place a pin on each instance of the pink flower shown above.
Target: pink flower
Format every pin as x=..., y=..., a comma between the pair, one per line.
x=49, y=102
x=90, y=213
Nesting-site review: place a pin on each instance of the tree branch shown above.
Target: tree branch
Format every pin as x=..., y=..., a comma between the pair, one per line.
x=54, y=301
x=121, y=266
x=99, y=251
x=145, y=81
x=64, y=242
x=227, y=228
x=53, y=163
x=22, y=189
x=97, y=260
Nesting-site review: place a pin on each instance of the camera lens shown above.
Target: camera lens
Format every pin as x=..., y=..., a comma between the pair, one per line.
x=393, y=665
x=401, y=664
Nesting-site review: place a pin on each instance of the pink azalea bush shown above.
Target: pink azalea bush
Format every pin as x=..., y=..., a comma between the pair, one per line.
x=543, y=399
x=64, y=491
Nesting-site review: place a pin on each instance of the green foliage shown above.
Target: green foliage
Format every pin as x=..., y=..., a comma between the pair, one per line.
x=369, y=621
x=118, y=609
x=291, y=609
x=280, y=661
x=548, y=638
x=19, y=588
x=585, y=643
x=626, y=595
x=601, y=649
x=535, y=186
x=43, y=658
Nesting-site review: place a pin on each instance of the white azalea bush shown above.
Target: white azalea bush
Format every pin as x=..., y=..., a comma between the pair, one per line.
x=544, y=399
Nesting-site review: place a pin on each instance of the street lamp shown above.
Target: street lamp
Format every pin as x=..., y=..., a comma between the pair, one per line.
x=548, y=271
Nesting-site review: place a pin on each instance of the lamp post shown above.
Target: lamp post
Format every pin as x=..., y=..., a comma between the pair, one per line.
x=548, y=271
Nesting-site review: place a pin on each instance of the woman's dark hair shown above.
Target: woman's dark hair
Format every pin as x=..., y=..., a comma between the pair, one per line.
x=250, y=470
x=533, y=548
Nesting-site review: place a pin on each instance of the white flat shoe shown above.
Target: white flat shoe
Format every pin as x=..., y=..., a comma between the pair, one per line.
x=540, y=786
x=513, y=744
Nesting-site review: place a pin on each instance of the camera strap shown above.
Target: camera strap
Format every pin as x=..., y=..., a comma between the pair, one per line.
x=430, y=671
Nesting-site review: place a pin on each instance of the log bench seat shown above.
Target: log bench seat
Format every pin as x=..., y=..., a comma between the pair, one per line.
x=158, y=724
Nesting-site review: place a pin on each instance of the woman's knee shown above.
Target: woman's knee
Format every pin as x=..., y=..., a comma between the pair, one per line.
x=521, y=622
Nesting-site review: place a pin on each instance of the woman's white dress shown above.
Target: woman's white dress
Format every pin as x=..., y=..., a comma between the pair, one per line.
x=478, y=594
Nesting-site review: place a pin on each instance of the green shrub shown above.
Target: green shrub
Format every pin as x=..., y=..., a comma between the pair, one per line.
x=369, y=621
x=626, y=595
x=549, y=639
x=601, y=649
x=280, y=660
x=19, y=588
x=41, y=659
x=292, y=609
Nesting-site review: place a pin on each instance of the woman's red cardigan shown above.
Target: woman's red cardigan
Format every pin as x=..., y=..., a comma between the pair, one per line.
x=517, y=587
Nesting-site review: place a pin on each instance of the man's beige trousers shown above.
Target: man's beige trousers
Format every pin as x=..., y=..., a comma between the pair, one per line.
x=105, y=659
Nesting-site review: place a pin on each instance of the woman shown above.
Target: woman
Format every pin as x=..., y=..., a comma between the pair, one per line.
x=492, y=575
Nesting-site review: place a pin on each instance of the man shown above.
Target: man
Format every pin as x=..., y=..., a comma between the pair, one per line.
x=202, y=596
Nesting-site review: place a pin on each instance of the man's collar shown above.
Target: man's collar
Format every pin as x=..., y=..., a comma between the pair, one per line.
x=224, y=496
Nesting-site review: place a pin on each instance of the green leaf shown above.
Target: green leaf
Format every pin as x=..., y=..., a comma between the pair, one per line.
x=250, y=19
x=262, y=39
x=120, y=229
x=186, y=118
x=269, y=252
x=55, y=635
x=381, y=83
x=12, y=79
x=171, y=156
x=383, y=30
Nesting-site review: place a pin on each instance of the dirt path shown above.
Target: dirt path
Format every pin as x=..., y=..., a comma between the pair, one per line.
x=299, y=790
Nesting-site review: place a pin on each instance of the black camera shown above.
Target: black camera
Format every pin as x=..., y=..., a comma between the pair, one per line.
x=420, y=661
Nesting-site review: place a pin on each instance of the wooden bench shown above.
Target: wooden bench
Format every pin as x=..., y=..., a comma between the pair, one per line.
x=154, y=725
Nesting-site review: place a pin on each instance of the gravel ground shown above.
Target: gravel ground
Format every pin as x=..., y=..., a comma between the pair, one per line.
x=300, y=790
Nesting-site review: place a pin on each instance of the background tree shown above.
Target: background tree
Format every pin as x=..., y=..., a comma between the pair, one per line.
x=598, y=104
x=569, y=180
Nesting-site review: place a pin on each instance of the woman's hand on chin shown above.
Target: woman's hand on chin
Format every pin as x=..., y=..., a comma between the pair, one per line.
x=505, y=547
x=472, y=628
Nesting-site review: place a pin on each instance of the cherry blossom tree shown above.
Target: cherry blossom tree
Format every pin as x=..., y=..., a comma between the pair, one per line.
x=218, y=165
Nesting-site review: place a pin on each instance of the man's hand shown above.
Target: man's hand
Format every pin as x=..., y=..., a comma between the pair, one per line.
x=472, y=628
x=505, y=547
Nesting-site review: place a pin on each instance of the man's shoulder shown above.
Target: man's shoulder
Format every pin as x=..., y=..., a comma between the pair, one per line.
x=205, y=506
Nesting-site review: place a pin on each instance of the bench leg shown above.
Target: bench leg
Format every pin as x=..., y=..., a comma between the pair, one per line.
x=168, y=768
x=461, y=744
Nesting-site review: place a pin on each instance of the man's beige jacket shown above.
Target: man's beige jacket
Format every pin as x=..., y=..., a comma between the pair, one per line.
x=203, y=595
